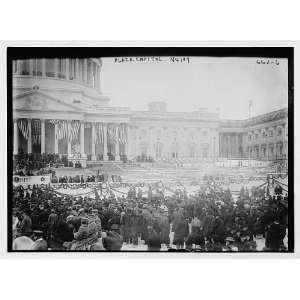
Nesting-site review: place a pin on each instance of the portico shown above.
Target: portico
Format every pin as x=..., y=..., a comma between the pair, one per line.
x=67, y=136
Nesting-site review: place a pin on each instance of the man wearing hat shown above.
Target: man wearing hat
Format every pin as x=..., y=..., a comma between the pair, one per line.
x=93, y=217
x=25, y=226
x=40, y=243
x=52, y=219
x=113, y=241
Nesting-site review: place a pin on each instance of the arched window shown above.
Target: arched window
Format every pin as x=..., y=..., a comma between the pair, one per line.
x=279, y=133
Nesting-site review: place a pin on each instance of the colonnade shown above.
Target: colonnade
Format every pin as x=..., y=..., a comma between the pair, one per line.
x=81, y=135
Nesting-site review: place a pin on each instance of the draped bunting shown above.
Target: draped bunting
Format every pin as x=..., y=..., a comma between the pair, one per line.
x=74, y=131
x=111, y=133
x=99, y=137
x=62, y=130
x=36, y=131
x=24, y=128
x=122, y=133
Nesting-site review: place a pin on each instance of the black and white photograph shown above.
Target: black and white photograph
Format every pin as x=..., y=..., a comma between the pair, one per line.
x=150, y=149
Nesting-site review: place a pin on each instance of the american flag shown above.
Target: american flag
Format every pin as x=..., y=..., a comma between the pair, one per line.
x=62, y=130
x=24, y=128
x=74, y=130
x=111, y=133
x=122, y=133
x=36, y=131
x=99, y=134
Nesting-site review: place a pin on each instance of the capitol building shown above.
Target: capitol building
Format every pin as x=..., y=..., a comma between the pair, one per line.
x=58, y=107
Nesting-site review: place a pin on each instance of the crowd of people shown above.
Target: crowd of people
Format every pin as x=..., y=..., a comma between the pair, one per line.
x=210, y=220
x=36, y=164
x=85, y=179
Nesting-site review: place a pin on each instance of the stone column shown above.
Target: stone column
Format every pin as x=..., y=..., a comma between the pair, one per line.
x=150, y=143
x=136, y=152
x=42, y=136
x=237, y=145
x=217, y=144
x=105, y=157
x=18, y=62
x=117, y=149
x=85, y=71
x=77, y=75
x=82, y=137
x=29, y=141
x=16, y=140
x=69, y=141
x=93, y=141
x=55, y=67
x=43, y=61
x=128, y=142
x=55, y=139
x=30, y=66
x=67, y=69
x=97, y=78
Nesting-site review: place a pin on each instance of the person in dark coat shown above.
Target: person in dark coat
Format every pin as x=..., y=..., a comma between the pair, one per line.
x=113, y=241
x=25, y=226
x=154, y=241
x=181, y=231
x=219, y=230
x=208, y=225
x=164, y=229
x=275, y=236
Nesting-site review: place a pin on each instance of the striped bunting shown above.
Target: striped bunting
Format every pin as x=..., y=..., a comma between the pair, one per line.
x=36, y=132
x=62, y=130
x=122, y=133
x=99, y=134
x=74, y=131
x=24, y=128
x=111, y=133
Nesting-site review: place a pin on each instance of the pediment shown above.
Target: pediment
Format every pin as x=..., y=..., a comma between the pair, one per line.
x=36, y=100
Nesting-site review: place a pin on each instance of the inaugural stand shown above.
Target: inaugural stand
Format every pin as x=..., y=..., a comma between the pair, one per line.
x=76, y=158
